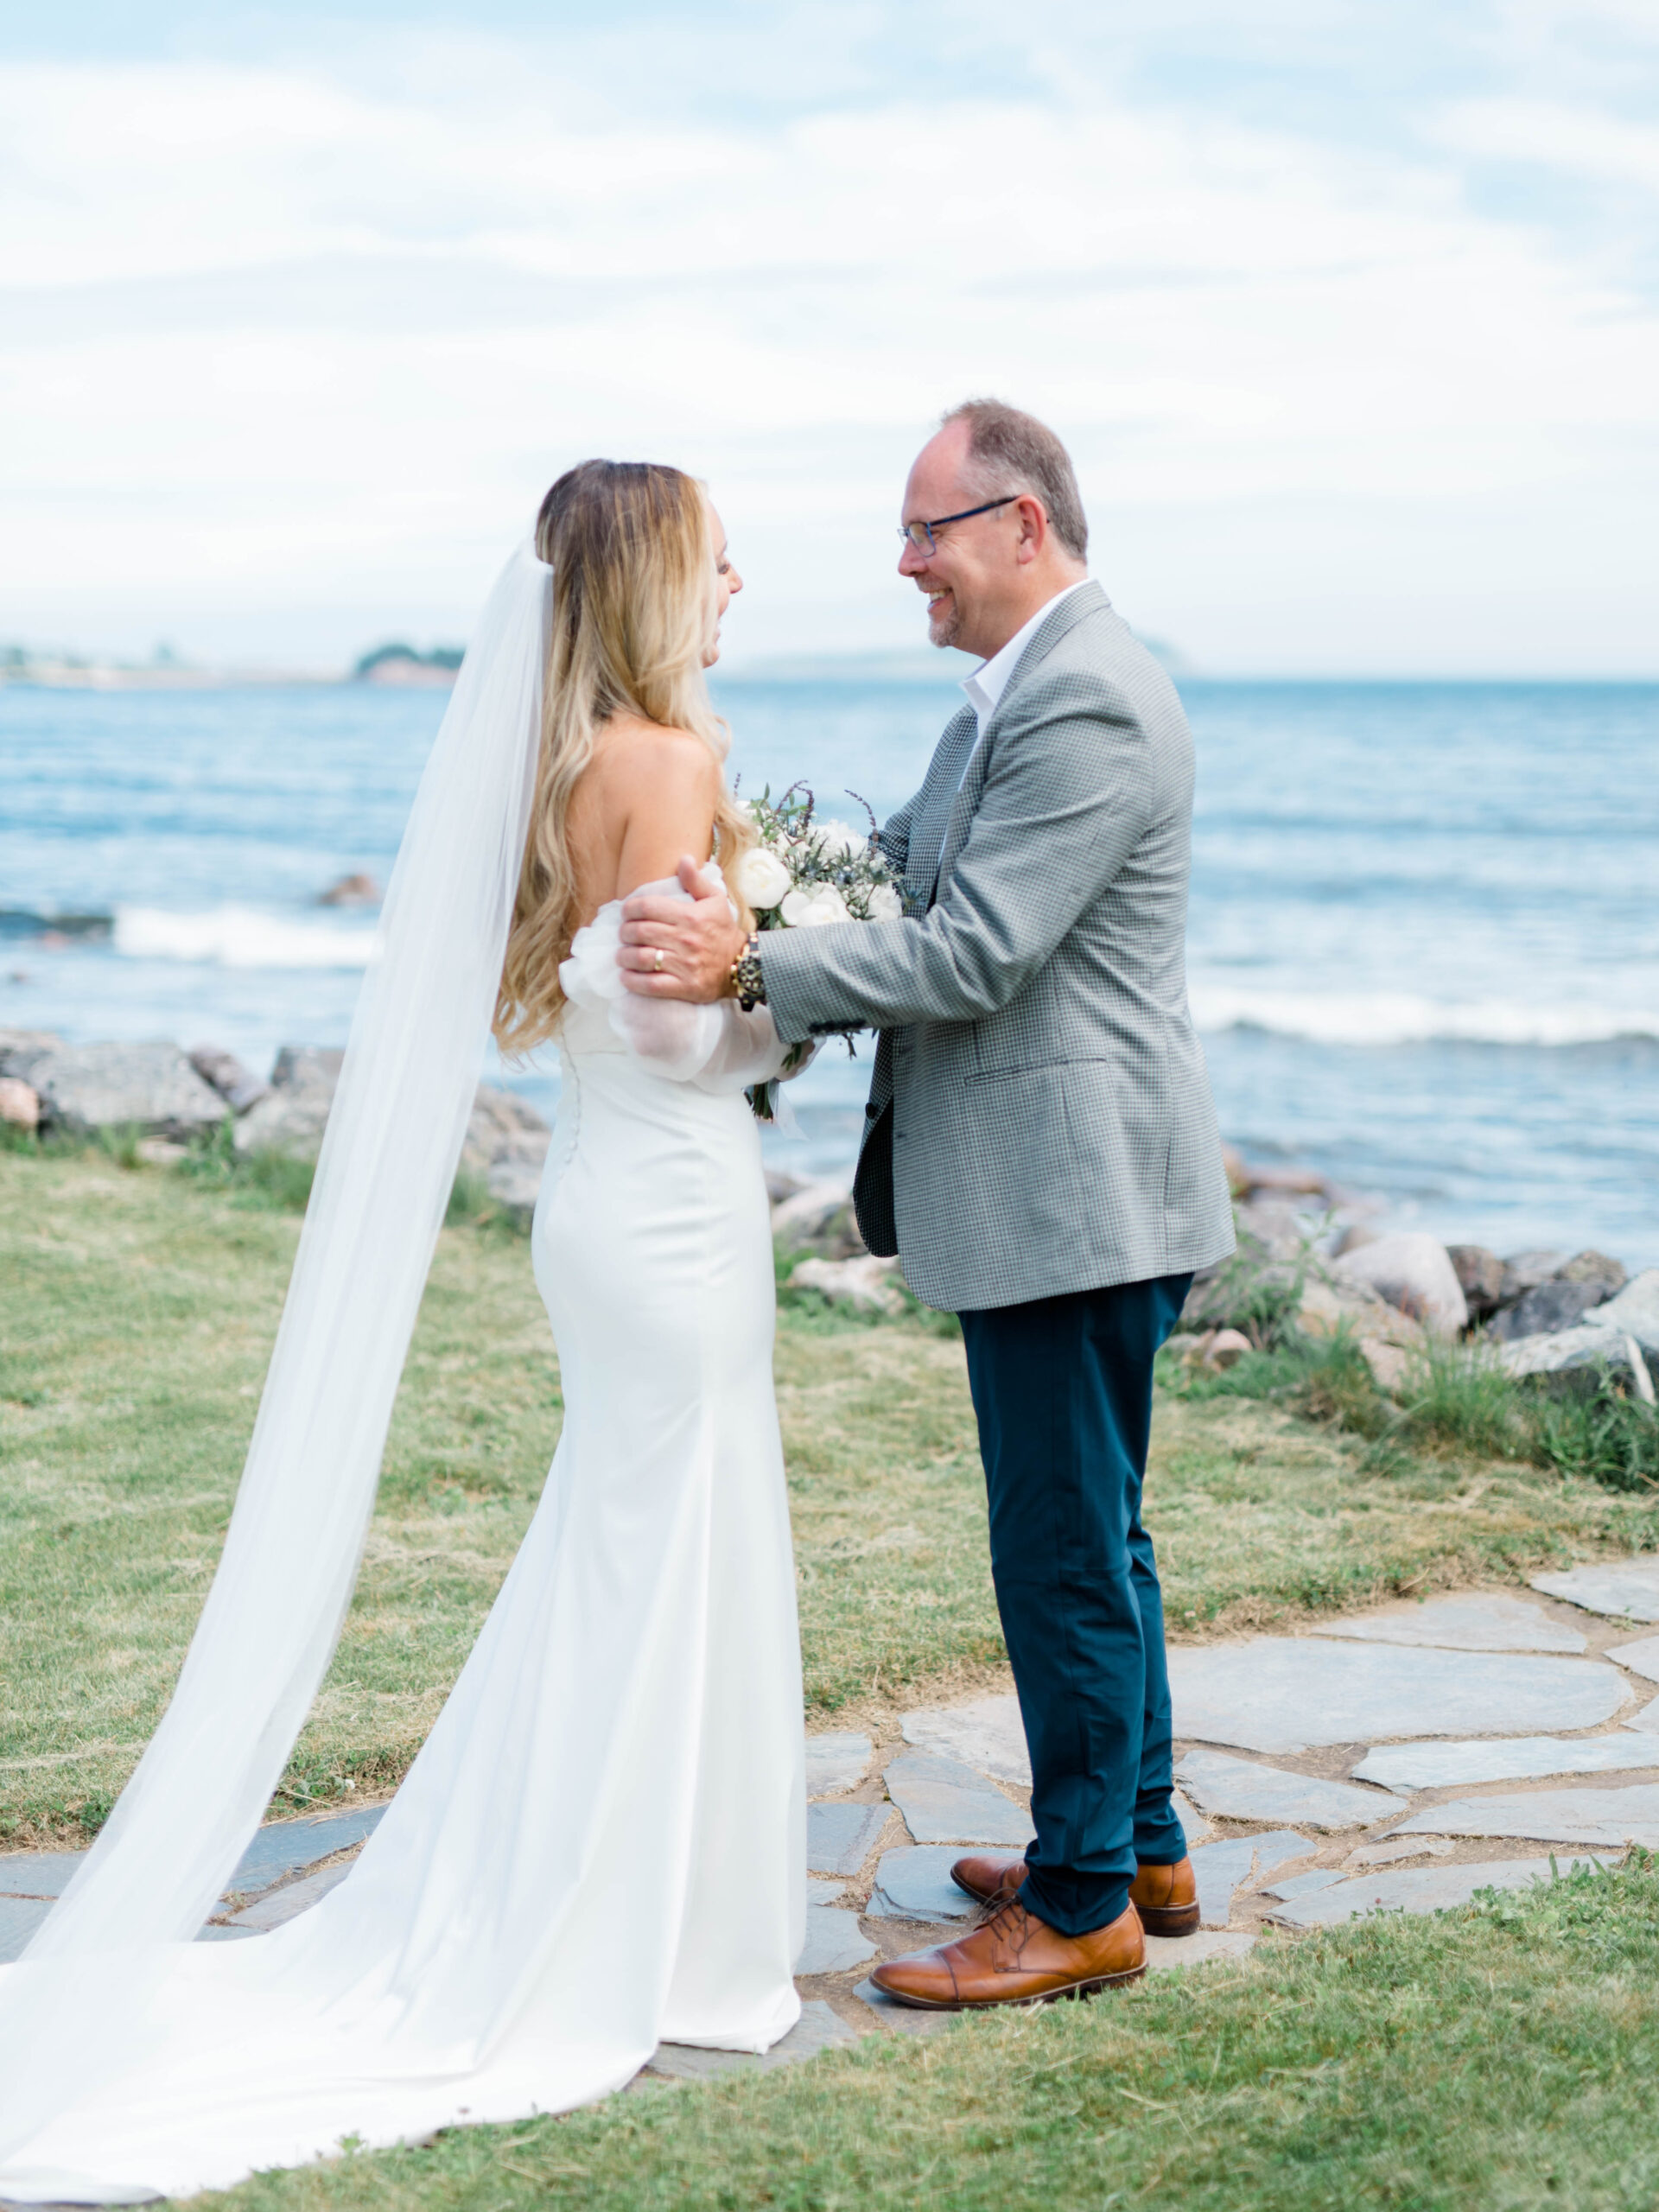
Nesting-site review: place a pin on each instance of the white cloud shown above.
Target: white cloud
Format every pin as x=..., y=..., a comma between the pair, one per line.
x=289, y=351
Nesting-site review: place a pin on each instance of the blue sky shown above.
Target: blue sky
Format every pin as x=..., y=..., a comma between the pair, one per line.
x=1350, y=313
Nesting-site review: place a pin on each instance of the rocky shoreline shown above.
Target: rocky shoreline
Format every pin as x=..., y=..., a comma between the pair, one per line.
x=1309, y=1257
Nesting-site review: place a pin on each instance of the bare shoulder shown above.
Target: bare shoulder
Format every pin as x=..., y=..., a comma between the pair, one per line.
x=652, y=760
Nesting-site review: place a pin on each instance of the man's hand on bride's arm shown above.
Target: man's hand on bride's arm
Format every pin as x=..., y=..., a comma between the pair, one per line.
x=697, y=942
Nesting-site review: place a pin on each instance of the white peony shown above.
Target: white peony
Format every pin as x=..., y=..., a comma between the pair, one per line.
x=886, y=904
x=762, y=877
x=840, y=839
x=827, y=906
x=795, y=907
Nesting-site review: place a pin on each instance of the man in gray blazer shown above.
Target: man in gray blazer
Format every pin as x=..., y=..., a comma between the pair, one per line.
x=1040, y=1149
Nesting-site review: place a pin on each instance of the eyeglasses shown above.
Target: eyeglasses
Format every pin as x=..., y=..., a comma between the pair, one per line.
x=920, y=534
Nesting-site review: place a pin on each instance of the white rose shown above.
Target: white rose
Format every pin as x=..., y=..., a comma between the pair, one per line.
x=827, y=906
x=841, y=841
x=886, y=904
x=762, y=877
x=795, y=907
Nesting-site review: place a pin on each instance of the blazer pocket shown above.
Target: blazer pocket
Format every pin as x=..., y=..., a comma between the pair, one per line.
x=1013, y=1068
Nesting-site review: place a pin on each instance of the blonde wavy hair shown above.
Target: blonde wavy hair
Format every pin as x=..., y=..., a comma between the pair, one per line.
x=633, y=614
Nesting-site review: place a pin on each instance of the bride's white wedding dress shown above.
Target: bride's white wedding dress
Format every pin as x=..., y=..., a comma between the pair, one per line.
x=602, y=1844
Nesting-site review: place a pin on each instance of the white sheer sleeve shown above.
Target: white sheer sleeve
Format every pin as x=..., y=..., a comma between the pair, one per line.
x=719, y=1048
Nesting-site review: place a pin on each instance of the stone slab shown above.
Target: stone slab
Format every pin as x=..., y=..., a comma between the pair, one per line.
x=1398, y=1848
x=824, y=1892
x=1238, y=1789
x=986, y=1734
x=38, y=1873
x=277, y=1907
x=1288, y=1694
x=819, y=2028
x=1302, y=1886
x=1613, y=1817
x=903, y=2019
x=1222, y=1870
x=283, y=1846
x=913, y=1883
x=944, y=1802
x=19, y=1919
x=1641, y=1657
x=1647, y=1720
x=1475, y=1621
x=1165, y=1953
x=1194, y=1826
x=836, y=1762
x=840, y=1838
x=835, y=1942
x=1622, y=1589
x=1405, y=1767
x=1417, y=1889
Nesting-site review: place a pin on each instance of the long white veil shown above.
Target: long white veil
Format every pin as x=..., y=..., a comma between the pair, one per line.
x=74, y=2004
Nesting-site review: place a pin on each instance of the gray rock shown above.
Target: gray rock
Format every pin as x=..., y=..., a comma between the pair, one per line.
x=834, y=1941
x=1642, y=1657
x=1480, y=1621
x=944, y=1802
x=1302, y=1886
x=1221, y=1870
x=238, y=1086
x=20, y=1048
x=903, y=2019
x=1406, y=1767
x=150, y=1087
x=293, y=1114
x=279, y=1906
x=840, y=1838
x=1524, y=1271
x=1646, y=1721
x=913, y=1883
x=38, y=1873
x=1238, y=1789
x=1635, y=1311
x=284, y=1846
x=824, y=1892
x=1545, y=1311
x=1480, y=1276
x=1416, y=1889
x=1287, y=1694
x=504, y=1131
x=1169, y=1954
x=819, y=1219
x=1613, y=1817
x=836, y=1761
x=1570, y=1350
x=988, y=1734
x=819, y=2028
x=19, y=1919
x=864, y=1282
x=1595, y=1267
x=1412, y=1271
x=1622, y=1589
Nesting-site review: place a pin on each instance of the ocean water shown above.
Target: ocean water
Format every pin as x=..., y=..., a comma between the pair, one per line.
x=1424, y=931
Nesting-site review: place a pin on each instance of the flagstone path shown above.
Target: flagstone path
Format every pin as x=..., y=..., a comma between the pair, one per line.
x=1355, y=1768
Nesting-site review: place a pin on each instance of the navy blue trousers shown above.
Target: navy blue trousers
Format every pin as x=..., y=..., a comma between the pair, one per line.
x=1063, y=1391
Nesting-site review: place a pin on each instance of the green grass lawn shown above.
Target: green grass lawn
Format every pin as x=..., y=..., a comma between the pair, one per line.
x=1494, y=2059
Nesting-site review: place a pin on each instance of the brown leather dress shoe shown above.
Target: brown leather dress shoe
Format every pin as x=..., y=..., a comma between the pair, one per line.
x=1167, y=1898
x=1016, y=1959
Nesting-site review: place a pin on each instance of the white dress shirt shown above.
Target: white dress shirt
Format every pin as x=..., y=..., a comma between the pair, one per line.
x=987, y=684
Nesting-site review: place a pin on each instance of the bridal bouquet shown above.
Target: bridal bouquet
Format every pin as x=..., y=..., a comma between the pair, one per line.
x=804, y=874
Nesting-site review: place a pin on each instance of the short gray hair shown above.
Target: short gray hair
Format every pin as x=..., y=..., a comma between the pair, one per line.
x=1010, y=451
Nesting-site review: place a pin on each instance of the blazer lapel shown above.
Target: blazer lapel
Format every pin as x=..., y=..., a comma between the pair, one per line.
x=960, y=815
x=938, y=800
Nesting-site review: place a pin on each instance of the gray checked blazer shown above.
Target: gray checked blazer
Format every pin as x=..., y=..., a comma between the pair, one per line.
x=1039, y=1119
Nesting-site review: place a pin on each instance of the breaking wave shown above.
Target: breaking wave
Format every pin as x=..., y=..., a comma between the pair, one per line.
x=241, y=937
x=1400, y=1018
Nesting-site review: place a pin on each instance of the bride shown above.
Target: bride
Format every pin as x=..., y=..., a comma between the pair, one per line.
x=601, y=1844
